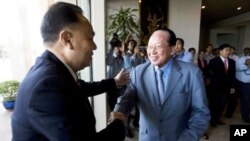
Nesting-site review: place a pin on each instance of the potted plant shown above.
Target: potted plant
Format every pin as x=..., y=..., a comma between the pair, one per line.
x=8, y=90
x=123, y=23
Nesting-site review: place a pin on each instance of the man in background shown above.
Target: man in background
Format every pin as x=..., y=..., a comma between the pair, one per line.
x=222, y=84
x=243, y=83
x=179, y=52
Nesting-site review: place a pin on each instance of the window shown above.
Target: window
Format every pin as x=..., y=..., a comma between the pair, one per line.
x=20, y=40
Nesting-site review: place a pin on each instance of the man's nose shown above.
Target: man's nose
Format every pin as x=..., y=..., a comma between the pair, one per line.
x=94, y=47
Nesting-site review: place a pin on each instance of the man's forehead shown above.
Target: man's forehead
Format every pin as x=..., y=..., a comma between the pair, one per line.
x=85, y=22
x=158, y=38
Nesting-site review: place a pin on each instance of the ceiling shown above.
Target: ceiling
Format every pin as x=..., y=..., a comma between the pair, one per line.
x=217, y=10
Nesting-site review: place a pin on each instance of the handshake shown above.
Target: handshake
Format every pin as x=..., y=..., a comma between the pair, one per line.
x=116, y=115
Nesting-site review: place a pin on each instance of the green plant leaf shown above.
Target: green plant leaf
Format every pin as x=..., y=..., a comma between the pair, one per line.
x=8, y=89
x=123, y=23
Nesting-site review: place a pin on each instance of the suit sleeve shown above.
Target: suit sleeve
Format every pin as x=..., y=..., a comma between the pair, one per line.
x=128, y=100
x=200, y=116
x=95, y=88
x=51, y=113
x=115, y=130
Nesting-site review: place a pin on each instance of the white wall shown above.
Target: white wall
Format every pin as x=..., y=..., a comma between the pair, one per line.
x=217, y=41
x=23, y=40
x=230, y=38
x=238, y=25
x=241, y=41
x=247, y=36
x=184, y=20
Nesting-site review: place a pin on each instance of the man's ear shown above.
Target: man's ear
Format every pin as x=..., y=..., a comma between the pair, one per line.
x=65, y=37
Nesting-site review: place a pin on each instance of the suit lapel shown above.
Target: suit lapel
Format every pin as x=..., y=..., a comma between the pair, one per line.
x=173, y=78
x=153, y=85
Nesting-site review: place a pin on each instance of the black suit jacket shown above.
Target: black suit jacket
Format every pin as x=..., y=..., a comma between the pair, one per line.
x=222, y=81
x=203, y=68
x=50, y=105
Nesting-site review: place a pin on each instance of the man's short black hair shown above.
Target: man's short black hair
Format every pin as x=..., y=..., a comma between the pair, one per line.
x=172, y=36
x=115, y=41
x=224, y=46
x=181, y=40
x=59, y=15
x=191, y=49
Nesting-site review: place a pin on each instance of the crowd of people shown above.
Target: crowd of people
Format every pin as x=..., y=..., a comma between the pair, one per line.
x=173, y=96
x=224, y=74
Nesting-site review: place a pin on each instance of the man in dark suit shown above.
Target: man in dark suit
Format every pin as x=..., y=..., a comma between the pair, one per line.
x=222, y=73
x=52, y=103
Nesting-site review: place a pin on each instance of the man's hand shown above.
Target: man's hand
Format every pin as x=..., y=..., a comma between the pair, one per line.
x=247, y=62
x=121, y=78
x=117, y=115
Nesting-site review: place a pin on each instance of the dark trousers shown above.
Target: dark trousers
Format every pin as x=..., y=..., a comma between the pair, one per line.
x=217, y=104
x=244, y=92
x=232, y=103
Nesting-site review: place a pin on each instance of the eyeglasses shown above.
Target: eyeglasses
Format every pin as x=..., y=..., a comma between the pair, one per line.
x=157, y=47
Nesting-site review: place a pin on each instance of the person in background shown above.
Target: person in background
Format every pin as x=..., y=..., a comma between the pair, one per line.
x=179, y=53
x=115, y=63
x=52, y=103
x=216, y=52
x=170, y=94
x=222, y=73
x=193, y=51
x=209, y=52
x=233, y=98
x=128, y=48
x=246, y=52
x=118, y=58
x=232, y=54
x=136, y=58
x=143, y=53
x=243, y=83
x=203, y=65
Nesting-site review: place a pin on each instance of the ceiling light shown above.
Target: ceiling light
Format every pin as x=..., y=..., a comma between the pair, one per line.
x=203, y=7
x=239, y=8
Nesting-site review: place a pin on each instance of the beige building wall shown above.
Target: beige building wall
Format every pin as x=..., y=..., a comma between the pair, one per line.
x=184, y=20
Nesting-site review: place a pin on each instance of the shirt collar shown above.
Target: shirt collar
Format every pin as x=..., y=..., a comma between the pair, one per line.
x=69, y=68
x=166, y=67
x=223, y=59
